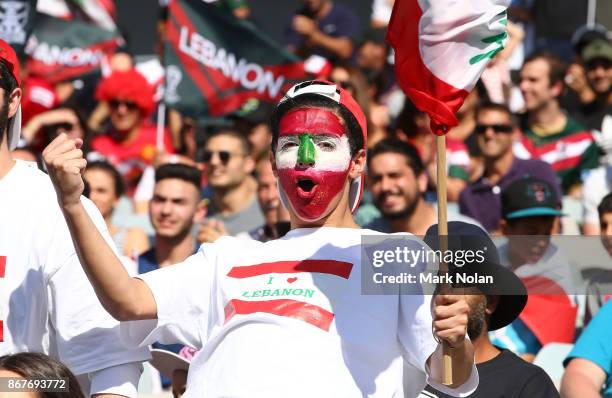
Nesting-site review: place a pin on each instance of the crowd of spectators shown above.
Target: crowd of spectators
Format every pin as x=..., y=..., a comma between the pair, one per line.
x=532, y=155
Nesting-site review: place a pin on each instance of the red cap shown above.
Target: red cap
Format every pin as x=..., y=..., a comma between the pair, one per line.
x=8, y=56
x=337, y=94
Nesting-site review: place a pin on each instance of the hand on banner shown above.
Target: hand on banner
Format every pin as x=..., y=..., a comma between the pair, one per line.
x=65, y=163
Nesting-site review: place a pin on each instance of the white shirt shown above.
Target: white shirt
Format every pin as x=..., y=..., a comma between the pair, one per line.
x=46, y=302
x=265, y=333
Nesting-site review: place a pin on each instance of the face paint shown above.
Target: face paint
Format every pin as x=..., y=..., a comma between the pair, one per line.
x=312, y=157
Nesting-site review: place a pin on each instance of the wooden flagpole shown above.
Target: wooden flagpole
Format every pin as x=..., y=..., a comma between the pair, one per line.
x=447, y=360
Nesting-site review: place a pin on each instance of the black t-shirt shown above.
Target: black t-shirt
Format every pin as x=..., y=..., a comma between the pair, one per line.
x=507, y=376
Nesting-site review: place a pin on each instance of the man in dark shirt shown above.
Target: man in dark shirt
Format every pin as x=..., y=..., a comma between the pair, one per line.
x=495, y=132
x=492, y=306
x=597, y=58
x=323, y=28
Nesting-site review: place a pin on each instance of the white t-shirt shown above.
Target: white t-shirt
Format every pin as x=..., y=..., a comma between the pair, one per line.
x=46, y=302
x=267, y=333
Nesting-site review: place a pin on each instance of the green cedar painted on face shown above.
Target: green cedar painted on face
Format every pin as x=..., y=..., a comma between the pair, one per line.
x=306, y=151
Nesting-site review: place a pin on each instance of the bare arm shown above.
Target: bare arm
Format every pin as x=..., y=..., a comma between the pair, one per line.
x=125, y=298
x=582, y=379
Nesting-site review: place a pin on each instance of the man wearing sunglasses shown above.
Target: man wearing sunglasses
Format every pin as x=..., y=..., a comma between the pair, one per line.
x=286, y=317
x=229, y=168
x=495, y=133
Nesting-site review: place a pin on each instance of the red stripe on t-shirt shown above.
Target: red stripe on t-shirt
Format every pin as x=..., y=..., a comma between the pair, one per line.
x=300, y=310
x=332, y=267
x=1, y=331
x=2, y=266
x=565, y=164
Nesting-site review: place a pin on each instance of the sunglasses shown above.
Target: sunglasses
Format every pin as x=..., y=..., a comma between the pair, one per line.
x=224, y=156
x=498, y=128
x=128, y=104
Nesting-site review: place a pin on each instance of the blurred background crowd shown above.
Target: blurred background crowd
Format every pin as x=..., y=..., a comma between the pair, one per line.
x=532, y=154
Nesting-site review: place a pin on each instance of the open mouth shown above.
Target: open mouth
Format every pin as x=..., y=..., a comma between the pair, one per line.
x=306, y=187
x=306, y=184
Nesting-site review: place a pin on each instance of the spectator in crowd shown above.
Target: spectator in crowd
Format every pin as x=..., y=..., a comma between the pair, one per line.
x=131, y=141
x=203, y=301
x=605, y=222
x=549, y=133
x=588, y=367
x=229, y=166
x=44, y=127
x=530, y=209
x=276, y=215
x=105, y=188
x=46, y=302
x=597, y=60
x=492, y=306
x=325, y=28
x=413, y=126
x=252, y=119
x=32, y=366
x=397, y=180
x=351, y=79
x=495, y=133
x=174, y=210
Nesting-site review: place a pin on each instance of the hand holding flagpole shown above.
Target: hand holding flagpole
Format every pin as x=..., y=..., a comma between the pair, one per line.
x=441, y=49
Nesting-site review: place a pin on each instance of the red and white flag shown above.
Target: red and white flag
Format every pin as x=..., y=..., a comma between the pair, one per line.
x=441, y=49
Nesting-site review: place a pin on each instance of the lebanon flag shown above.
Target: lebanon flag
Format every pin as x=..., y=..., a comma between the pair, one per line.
x=59, y=50
x=216, y=62
x=441, y=48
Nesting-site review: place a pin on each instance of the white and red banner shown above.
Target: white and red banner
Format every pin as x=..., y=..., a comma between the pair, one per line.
x=441, y=49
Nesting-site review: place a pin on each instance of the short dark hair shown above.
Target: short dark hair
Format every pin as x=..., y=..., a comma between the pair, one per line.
x=355, y=136
x=231, y=131
x=179, y=171
x=493, y=106
x=605, y=206
x=33, y=365
x=8, y=83
x=556, y=66
x=393, y=145
x=105, y=166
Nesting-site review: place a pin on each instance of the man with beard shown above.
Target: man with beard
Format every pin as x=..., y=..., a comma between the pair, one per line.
x=285, y=317
x=502, y=374
x=46, y=303
x=398, y=182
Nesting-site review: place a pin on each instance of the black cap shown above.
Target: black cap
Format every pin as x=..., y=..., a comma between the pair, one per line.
x=529, y=197
x=511, y=291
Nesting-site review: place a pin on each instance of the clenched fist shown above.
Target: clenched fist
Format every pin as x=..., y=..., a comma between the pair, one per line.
x=65, y=163
x=450, y=314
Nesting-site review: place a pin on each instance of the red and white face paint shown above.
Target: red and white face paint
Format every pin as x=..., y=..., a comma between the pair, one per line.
x=313, y=156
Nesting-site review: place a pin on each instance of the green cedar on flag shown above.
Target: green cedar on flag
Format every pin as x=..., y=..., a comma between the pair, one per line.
x=62, y=50
x=441, y=49
x=216, y=62
x=16, y=20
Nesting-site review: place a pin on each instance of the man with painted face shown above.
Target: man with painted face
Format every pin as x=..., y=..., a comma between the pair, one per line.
x=286, y=317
